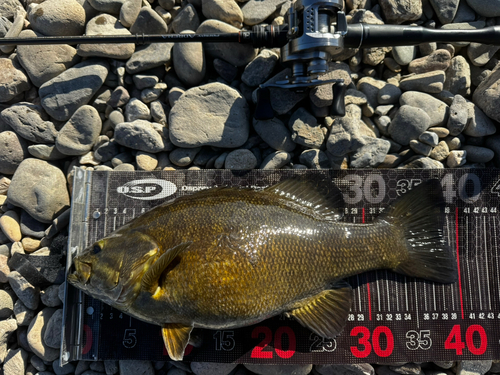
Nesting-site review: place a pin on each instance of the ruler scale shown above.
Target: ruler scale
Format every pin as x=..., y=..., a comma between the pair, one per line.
x=393, y=318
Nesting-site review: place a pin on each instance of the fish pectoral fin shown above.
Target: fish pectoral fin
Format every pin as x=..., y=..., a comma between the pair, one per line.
x=326, y=313
x=149, y=281
x=323, y=199
x=176, y=338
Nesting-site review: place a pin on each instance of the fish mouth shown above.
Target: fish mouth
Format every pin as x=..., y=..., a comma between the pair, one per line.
x=81, y=275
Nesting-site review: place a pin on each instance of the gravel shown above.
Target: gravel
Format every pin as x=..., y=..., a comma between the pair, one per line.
x=164, y=107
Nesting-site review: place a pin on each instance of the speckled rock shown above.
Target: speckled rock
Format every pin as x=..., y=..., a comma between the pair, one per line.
x=234, y=53
x=305, y=129
x=255, y=11
x=473, y=367
x=478, y=125
x=64, y=94
x=36, y=332
x=27, y=293
x=217, y=116
x=13, y=81
x=260, y=68
x=106, y=24
x=437, y=60
x=58, y=18
x=458, y=78
x=40, y=189
x=13, y=150
x=7, y=328
x=456, y=158
x=459, y=115
x=399, y=11
x=15, y=362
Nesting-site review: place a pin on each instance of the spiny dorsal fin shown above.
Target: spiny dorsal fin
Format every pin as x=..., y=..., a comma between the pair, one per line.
x=319, y=197
x=326, y=313
x=176, y=338
x=149, y=281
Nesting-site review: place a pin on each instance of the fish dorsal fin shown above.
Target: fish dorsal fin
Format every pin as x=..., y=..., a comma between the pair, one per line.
x=326, y=313
x=319, y=197
x=176, y=338
x=149, y=281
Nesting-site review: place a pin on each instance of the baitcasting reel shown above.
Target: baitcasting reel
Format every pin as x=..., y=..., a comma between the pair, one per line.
x=316, y=30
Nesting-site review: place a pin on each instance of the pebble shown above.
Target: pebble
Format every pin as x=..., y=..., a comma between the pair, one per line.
x=111, y=367
x=314, y=159
x=403, y=55
x=209, y=368
x=135, y=109
x=240, y=159
x=7, y=328
x=437, y=60
x=6, y=304
x=389, y=94
x=149, y=56
x=14, y=149
x=479, y=124
x=57, y=18
x=480, y=54
x=37, y=363
x=50, y=296
x=370, y=87
x=31, y=227
x=276, y=160
x=459, y=115
x=13, y=81
x=322, y=95
x=305, y=129
x=67, y=369
x=63, y=95
x=227, y=71
x=15, y=362
x=255, y=11
x=456, y=158
x=40, y=189
x=371, y=153
x=488, y=8
x=136, y=367
x=476, y=154
x=431, y=82
x=23, y=314
x=80, y=133
x=234, y=53
x=141, y=135
x=106, y=24
x=260, y=68
x=189, y=62
x=275, y=134
x=36, y=332
x=473, y=367
x=279, y=369
x=227, y=11
x=458, y=80
x=30, y=122
x=30, y=244
x=108, y=6
x=182, y=157
x=437, y=111
x=487, y=95
x=429, y=138
x=445, y=9
x=129, y=12
x=408, y=123
x=146, y=161
x=217, y=116
x=355, y=369
x=27, y=293
x=52, y=335
x=4, y=268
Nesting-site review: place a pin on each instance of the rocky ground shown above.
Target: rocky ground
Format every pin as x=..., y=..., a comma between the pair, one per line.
x=166, y=107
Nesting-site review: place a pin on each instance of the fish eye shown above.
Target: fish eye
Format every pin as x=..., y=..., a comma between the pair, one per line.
x=97, y=249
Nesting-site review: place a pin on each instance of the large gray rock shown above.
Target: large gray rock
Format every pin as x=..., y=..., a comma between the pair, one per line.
x=58, y=18
x=12, y=80
x=322, y=95
x=149, y=56
x=305, y=129
x=437, y=110
x=36, y=332
x=107, y=6
x=52, y=335
x=27, y=293
x=480, y=54
x=431, y=82
x=13, y=151
x=64, y=94
x=445, y=9
x=256, y=11
x=40, y=189
x=186, y=20
x=458, y=77
x=78, y=135
x=275, y=134
x=210, y=115
x=371, y=153
x=44, y=62
x=485, y=8
x=479, y=367
x=15, y=362
x=106, y=24
x=189, y=62
x=234, y=53
x=408, y=123
x=437, y=60
x=478, y=125
x=260, y=68
x=226, y=11
x=399, y=11
x=30, y=122
x=487, y=95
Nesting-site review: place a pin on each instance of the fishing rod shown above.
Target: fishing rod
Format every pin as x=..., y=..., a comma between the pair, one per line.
x=316, y=30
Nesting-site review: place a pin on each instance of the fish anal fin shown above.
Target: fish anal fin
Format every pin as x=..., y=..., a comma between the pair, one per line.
x=325, y=313
x=323, y=199
x=149, y=281
x=176, y=338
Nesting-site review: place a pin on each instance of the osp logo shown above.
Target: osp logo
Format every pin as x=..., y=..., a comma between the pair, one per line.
x=147, y=189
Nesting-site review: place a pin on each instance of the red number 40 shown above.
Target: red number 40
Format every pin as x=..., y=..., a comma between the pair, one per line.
x=454, y=340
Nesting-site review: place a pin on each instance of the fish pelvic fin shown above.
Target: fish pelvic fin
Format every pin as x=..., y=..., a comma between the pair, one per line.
x=150, y=280
x=326, y=201
x=176, y=338
x=325, y=313
x=420, y=216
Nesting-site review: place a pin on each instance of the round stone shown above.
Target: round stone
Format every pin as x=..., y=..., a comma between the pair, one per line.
x=275, y=134
x=58, y=18
x=189, y=61
x=12, y=80
x=276, y=160
x=408, y=123
x=141, y=135
x=146, y=161
x=241, y=159
x=13, y=150
x=210, y=115
x=26, y=292
x=52, y=334
x=227, y=11
x=36, y=332
x=78, y=135
x=9, y=224
x=6, y=304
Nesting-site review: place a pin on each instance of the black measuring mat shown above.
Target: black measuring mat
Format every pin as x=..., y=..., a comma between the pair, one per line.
x=393, y=318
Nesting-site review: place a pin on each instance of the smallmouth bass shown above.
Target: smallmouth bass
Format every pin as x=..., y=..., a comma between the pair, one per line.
x=230, y=257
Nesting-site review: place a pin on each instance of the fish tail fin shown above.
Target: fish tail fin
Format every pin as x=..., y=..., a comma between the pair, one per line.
x=420, y=216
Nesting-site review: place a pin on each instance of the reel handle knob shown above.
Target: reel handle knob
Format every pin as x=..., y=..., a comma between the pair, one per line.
x=263, y=110
x=338, y=105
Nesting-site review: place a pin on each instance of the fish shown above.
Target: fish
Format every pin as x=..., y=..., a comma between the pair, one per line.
x=230, y=257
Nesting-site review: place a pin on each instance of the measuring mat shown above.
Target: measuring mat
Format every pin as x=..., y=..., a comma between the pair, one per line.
x=393, y=318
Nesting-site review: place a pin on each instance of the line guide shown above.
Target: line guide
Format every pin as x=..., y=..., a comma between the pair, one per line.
x=393, y=318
